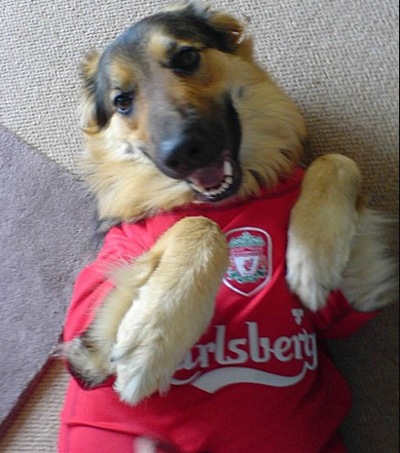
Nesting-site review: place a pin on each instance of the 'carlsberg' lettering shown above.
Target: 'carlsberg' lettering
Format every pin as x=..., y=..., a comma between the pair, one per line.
x=251, y=350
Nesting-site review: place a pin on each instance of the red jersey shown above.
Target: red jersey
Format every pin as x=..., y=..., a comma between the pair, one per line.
x=258, y=380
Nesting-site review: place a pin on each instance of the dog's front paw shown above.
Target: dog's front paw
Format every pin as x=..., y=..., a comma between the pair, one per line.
x=85, y=361
x=313, y=270
x=144, y=364
x=151, y=343
x=322, y=229
x=317, y=255
x=171, y=310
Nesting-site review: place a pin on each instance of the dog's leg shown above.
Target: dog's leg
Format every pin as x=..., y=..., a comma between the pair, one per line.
x=336, y=243
x=322, y=228
x=160, y=306
x=88, y=356
x=172, y=309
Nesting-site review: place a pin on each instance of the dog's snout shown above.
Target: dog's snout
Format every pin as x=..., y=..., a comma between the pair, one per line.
x=181, y=155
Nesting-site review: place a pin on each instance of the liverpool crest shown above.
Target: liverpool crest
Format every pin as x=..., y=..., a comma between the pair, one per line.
x=250, y=260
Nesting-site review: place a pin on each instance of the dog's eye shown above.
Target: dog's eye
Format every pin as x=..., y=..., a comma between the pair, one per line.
x=186, y=60
x=124, y=103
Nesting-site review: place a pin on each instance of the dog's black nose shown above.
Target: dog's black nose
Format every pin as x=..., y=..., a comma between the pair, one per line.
x=181, y=155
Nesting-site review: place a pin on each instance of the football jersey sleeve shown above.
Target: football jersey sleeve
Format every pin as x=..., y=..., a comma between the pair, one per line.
x=94, y=281
x=338, y=319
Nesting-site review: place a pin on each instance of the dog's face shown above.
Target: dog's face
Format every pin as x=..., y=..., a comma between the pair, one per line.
x=177, y=98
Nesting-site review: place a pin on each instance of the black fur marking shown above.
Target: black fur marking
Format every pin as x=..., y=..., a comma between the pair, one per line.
x=189, y=24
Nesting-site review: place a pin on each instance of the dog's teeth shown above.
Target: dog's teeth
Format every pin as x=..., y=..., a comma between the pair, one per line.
x=228, y=170
x=225, y=185
x=197, y=188
x=214, y=192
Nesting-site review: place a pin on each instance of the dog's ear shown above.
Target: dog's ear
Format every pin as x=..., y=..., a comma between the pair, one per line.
x=232, y=33
x=94, y=110
x=229, y=29
x=89, y=67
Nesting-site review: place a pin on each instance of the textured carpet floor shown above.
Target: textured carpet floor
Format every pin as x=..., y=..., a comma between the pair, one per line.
x=337, y=59
x=35, y=424
x=46, y=231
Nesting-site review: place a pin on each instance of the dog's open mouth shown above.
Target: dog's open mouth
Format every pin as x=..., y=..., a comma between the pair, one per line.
x=216, y=182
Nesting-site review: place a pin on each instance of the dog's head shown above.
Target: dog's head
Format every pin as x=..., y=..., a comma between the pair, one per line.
x=176, y=110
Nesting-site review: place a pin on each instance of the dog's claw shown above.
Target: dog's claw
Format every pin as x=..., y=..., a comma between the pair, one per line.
x=120, y=352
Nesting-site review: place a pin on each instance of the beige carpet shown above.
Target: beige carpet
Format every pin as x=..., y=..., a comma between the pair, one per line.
x=338, y=60
x=35, y=425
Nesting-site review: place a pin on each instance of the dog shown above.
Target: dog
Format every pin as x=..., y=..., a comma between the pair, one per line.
x=183, y=126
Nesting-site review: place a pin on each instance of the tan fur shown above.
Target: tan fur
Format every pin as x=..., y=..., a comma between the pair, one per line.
x=182, y=295
x=122, y=73
x=336, y=180
x=370, y=280
x=336, y=243
x=273, y=132
x=163, y=281
x=163, y=301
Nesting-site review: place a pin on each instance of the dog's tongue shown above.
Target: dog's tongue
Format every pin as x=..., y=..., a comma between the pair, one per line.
x=209, y=177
